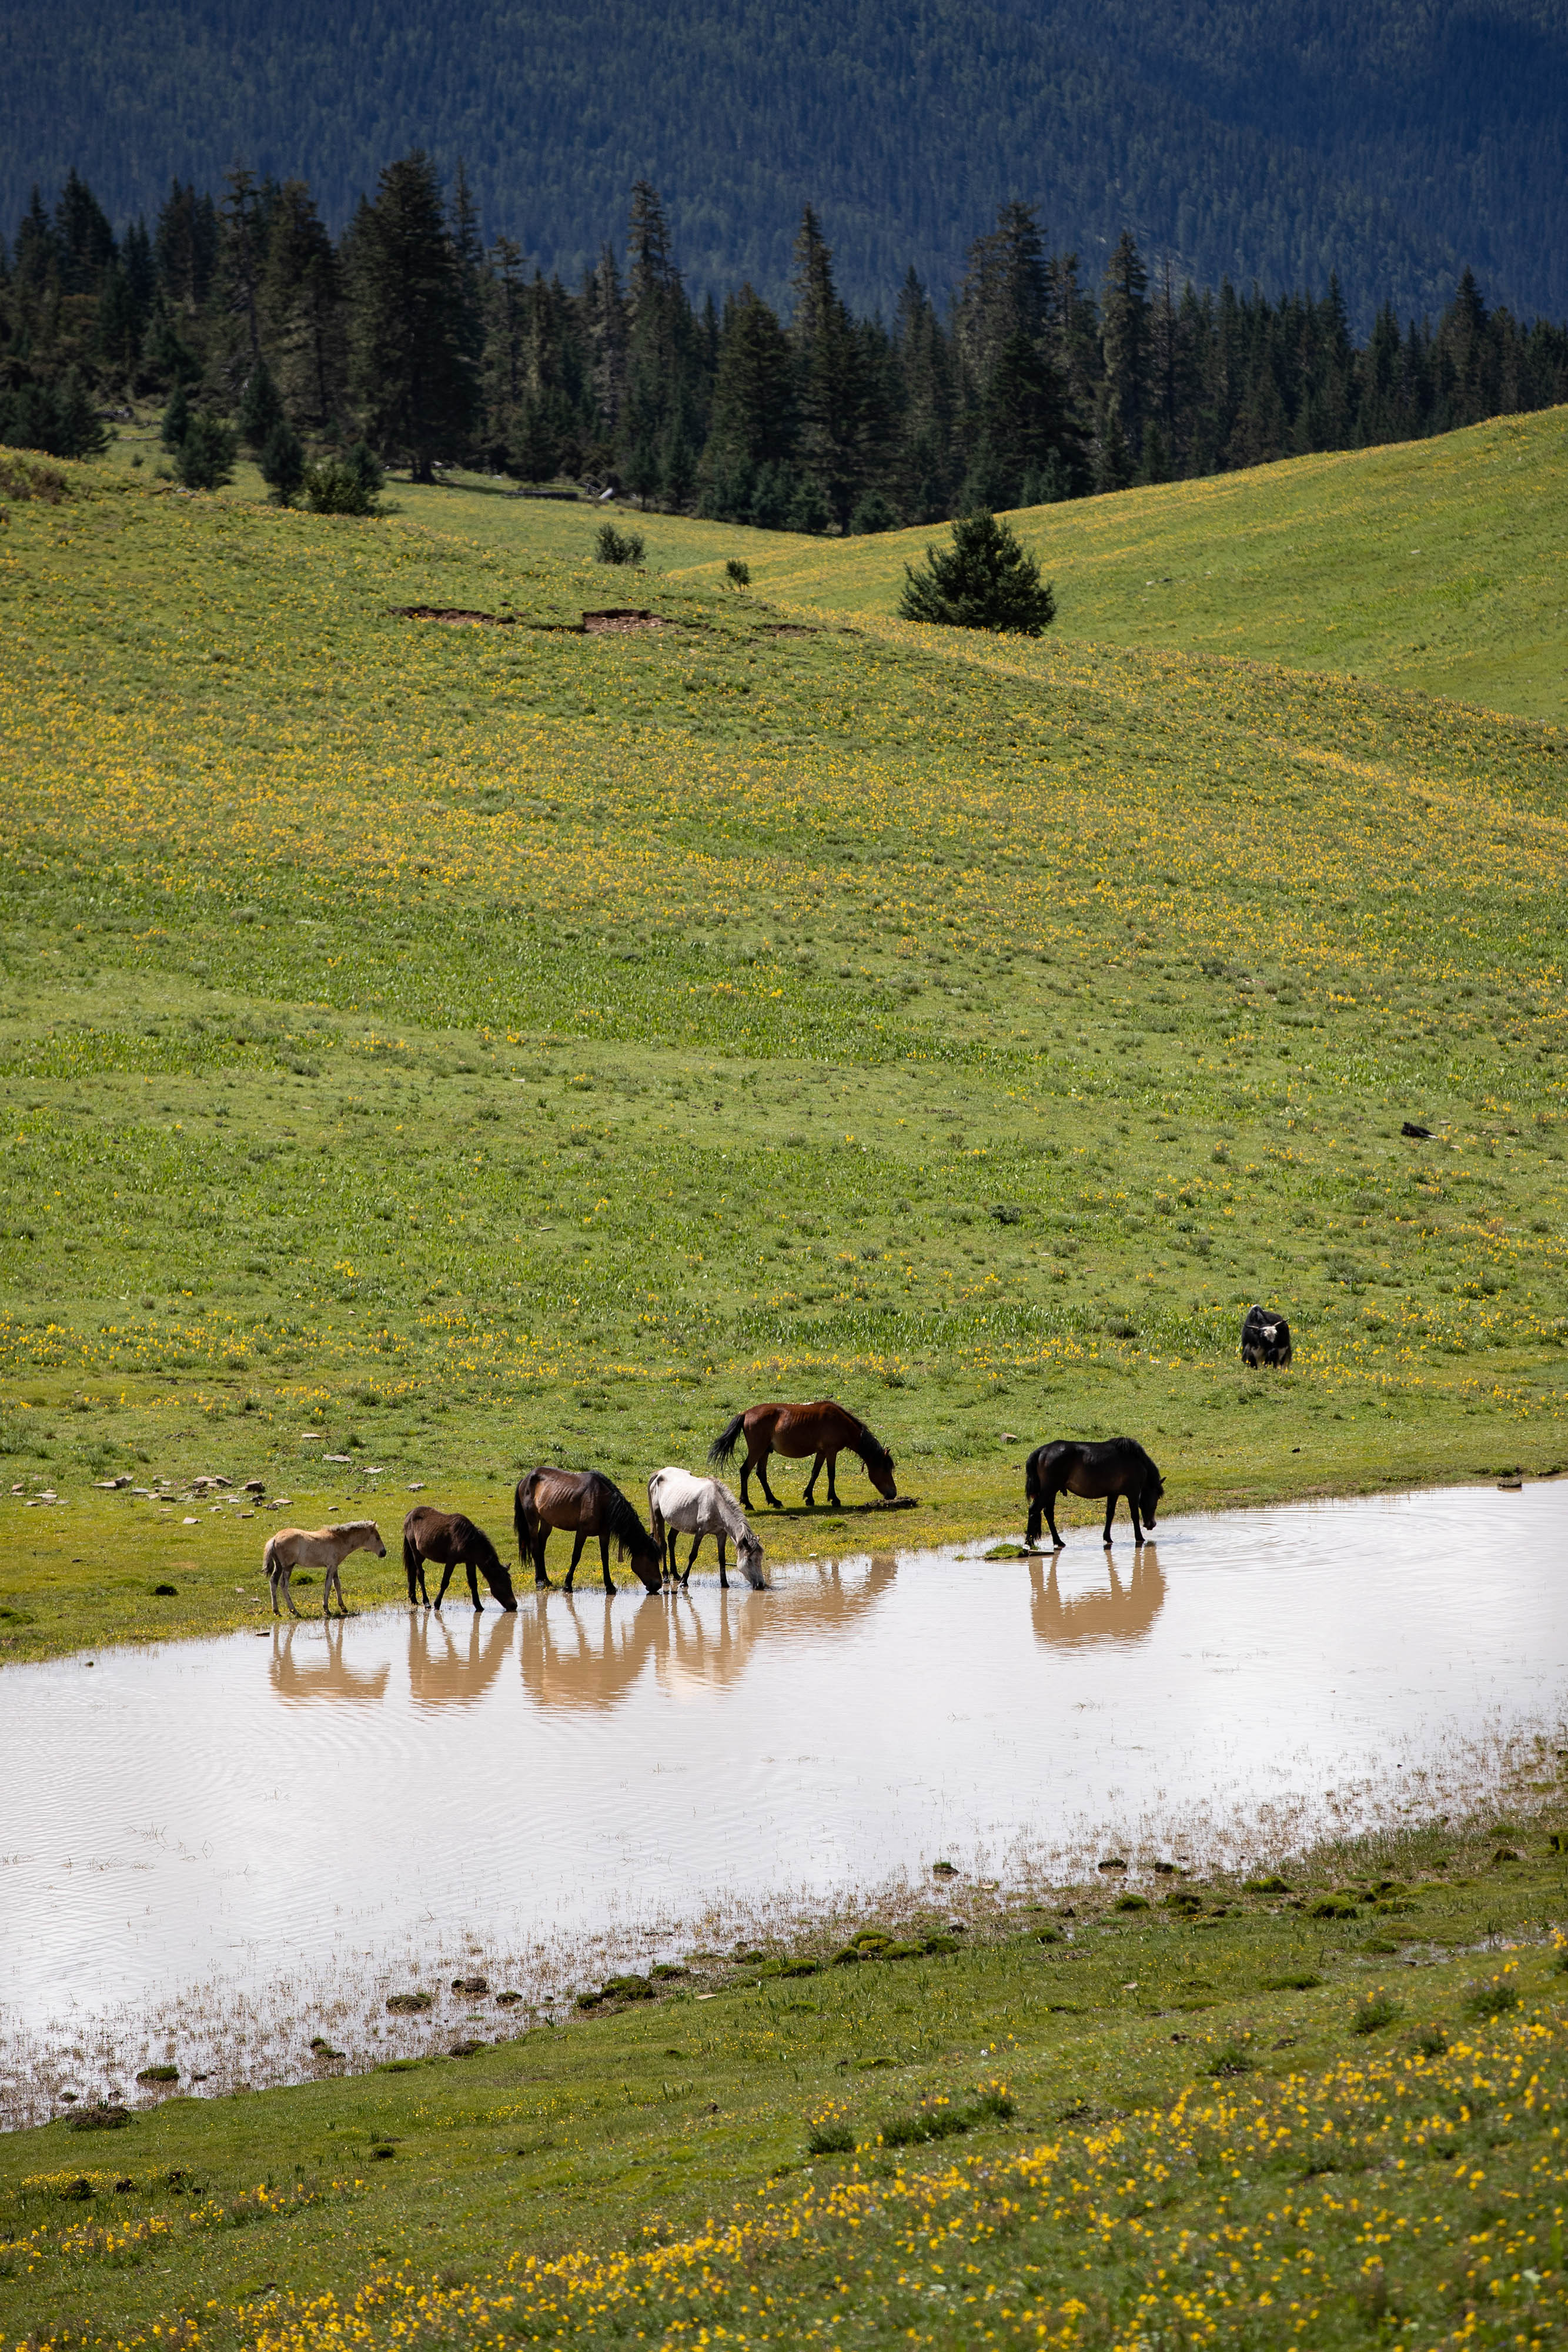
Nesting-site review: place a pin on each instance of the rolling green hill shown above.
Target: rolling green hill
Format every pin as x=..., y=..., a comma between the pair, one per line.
x=1436, y=565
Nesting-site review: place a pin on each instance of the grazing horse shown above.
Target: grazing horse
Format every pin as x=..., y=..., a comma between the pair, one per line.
x=288, y=1549
x=682, y=1505
x=449, y=1540
x=1113, y=1466
x=1265, y=1339
x=824, y=1429
x=588, y=1504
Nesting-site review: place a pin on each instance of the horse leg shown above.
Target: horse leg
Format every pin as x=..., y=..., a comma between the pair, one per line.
x=761, y=1468
x=1137, y=1523
x=410, y=1568
x=576, y=1556
x=473, y=1587
x=723, y=1580
x=326, y=1590
x=541, y=1575
x=833, y=1482
x=604, y=1564
x=1111, y=1503
x=1050, y=1495
x=272, y=1576
x=288, y=1590
x=446, y=1581
x=811, y=1481
x=690, y=1559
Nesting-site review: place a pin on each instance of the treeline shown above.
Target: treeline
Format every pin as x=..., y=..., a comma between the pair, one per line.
x=408, y=339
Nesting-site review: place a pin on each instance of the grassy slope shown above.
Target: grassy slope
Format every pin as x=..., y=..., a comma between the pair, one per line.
x=563, y=2186
x=479, y=1044
x=1435, y=565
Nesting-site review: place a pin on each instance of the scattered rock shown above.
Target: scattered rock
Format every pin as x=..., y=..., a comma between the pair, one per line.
x=507, y=1999
x=255, y=1485
x=337, y=1458
x=111, y=1486
x=1113, y=1862
x=408, y=2005
x=1419, y=1134
x=476, y=1988
x=107, y=2115
x=467, y=2049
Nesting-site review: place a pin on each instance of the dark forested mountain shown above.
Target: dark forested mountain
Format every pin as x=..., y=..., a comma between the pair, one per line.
x=1396, y=142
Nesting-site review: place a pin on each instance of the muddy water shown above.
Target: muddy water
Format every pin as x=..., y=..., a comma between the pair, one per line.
x=258, y=1817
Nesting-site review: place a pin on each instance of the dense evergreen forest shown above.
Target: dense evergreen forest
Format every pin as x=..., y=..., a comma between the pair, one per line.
x=1393, y=140
x=411, y=342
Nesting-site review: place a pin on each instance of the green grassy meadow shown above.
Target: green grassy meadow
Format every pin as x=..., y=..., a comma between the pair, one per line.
x=477, y=1043
x=1322, y=2110
x=431, y=1048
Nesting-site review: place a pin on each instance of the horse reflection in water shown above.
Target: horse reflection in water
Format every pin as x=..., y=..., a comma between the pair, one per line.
x=447, y=1668
x=320, y=1671
x=1125, y=1613
x=577, y=1654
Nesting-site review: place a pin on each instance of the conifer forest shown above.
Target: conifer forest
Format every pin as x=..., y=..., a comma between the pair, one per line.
x=413, y=338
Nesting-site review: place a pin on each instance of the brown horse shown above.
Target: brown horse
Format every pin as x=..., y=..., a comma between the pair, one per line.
x=586, y=1503
x=824, y=1429
x=1111, y=1468
x=449, y=1540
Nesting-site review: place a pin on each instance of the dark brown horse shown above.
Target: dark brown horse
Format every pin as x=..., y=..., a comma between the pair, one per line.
x=824, y=1429
x=449, y=1540
x=586, y=1503
x=1113, y=1466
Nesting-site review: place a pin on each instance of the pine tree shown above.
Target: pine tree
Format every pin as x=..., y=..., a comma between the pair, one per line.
x=303, y=311
x=984, y=581
x=260, y=409
x=282, y=462
x=412, y=370
x=829, y=381
x=753, y=424
x=1124, y=334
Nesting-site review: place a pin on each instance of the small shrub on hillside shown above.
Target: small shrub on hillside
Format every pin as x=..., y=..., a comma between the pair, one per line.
x=737, y=573
x=1485, y=2003
x=613, y=546
x=338, y=486
x=1373, y=2013
x=282, y=462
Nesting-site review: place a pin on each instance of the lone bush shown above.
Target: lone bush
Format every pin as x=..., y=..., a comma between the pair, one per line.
x=338, y=485
x=282, y=462
x=984, y=581
x=613, y=546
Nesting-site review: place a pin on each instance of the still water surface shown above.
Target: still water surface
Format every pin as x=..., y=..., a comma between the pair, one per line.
x=250, y=1810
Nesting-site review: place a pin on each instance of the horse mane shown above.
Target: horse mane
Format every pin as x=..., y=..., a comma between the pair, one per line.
x=870, y=1449
x=621, y=1524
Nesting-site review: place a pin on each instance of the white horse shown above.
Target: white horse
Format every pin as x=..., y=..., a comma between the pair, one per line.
x=682, y=1505
x=288, y=1549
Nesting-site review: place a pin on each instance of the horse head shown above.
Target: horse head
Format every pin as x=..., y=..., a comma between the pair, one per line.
x=749, y=1553
x=1148, y=1501
x=648, y=1562
x=879, y=1467
x=498, y=1576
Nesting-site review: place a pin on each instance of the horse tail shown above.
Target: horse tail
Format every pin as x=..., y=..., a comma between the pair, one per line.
x=520, y=1521
x=268, y=1562
x=655, y=1516
x=1033, y=1496
x=722, y=1450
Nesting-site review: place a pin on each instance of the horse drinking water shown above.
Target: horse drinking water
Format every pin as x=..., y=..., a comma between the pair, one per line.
x=586, y=1503
x=288, y=1549
x=824, y=1429
x=682, y=1505
x=449, y=1540
x=1113, y=1466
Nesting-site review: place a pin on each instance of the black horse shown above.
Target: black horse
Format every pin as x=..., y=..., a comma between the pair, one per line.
x=450, y=1540
x=1265, y=1339
x=1113, y=1466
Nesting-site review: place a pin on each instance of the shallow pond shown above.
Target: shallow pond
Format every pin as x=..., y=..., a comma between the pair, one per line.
x=227, y=1843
